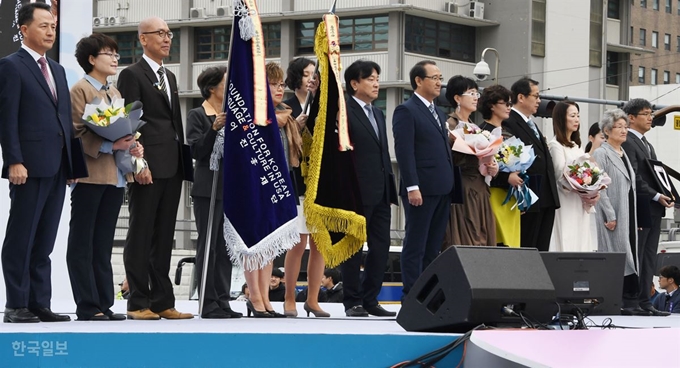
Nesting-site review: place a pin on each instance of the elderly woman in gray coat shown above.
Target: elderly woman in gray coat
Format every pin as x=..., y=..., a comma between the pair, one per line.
x=616, y=220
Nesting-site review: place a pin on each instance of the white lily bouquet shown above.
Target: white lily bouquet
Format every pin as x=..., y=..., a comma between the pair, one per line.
x=114, y=121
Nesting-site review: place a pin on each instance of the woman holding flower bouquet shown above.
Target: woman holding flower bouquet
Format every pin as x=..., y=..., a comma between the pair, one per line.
x=571, y=229
x=95, y=200
x=473, y=221
x=494, y=105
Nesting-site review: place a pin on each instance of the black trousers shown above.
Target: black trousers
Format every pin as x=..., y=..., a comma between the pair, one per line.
x=148, y=246
x=218, y=278
x=363, y=289
x=34, y=215
x=537, y=229
x=423, y=237
x=94, y=213
x=648, y=245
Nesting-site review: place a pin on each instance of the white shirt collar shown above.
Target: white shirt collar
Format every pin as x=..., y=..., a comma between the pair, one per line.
x=34, y=54
x=361, y=103
x=526, y=118
x=154, y=65
x=426, y=102
x=637, y=134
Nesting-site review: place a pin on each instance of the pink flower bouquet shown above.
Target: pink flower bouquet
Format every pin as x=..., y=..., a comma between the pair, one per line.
x=584, y=177
x=471, y=140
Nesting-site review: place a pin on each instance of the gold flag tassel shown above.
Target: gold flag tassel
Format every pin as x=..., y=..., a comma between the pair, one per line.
x=322, y=220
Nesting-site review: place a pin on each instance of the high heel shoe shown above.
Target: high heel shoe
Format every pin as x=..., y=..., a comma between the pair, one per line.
x=315, y=312
x=256, y=313
x=276, y=314
x=290, y=313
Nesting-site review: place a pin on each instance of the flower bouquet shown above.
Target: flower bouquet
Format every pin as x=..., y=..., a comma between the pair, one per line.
x=515, y=156
x=584, y=177
x=471, y=140
x=113, y=122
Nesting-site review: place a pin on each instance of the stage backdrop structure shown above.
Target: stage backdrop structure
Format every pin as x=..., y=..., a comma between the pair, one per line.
x=71, y=29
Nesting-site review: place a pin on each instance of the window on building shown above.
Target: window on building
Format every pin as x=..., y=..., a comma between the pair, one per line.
x=442, y=39
x=613, y=11
x=358, y=34
x=643, y=3
x=668, y=7
x=655, y=4
x=678, y=7
x=212, y=43
x=272, y=39
x=131, y=51
x=652, y=77
x=678, y=44
x=595, y=55
x=666, y=77
x=641, y=75
x=643, y=37
x=655, y=39
x=677, y=78
x=538, y=27
x=667, y=42
x=630, y=72
x=613, y=68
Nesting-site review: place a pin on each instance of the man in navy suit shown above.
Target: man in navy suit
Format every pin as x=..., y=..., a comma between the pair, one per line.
x=669, y=302
x=651, y=202
x=35, y=134
x=423, y=153
x=376, y=184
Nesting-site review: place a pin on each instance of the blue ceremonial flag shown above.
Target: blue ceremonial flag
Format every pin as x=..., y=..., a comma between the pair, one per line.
x=259, y=200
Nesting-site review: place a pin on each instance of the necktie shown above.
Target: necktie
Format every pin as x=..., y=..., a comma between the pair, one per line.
x=43, y=69
x=534, y=128
x=436, y=116
x=667, y=306
x=161, y=81
x=649, y=147
x=371, y=118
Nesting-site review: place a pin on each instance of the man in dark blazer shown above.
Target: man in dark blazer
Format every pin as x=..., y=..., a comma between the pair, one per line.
x=651, y=203
x=376, y=184
x=423, y=153
x=35, y=134
x=155, y=194
x=669, y=276
x=537, y=222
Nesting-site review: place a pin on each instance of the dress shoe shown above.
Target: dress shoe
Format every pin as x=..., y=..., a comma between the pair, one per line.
x=116, y=317
x=655, y=312
x=379, y=311
x=172, y=313
x=96, y=317
x=215, y=314
x=256, y=313
x=232, y=313
x=19, y=315
x=143, y=314
x=46, y=315
x=637, y=311
x=356, y=311
x=315, y=312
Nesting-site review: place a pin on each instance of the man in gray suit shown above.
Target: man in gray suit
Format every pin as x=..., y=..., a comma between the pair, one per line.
x=651, y=204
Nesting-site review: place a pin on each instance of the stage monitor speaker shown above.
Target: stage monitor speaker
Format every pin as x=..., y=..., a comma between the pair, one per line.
x=466, y=286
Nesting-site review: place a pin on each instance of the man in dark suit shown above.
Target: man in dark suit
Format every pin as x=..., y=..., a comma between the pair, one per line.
x=669, y=276
x=537, y=222
x=155, y=194
x=423, y=153
x=35, y=134
x=651, y=203
x=376, y=183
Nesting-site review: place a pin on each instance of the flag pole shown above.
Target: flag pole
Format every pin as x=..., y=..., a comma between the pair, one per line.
x=213, y=196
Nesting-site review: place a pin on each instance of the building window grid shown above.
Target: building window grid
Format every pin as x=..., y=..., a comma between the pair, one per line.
x=669, y=9
x=655, y=4
x=596, y=15
x=643, y=37
x=538, y=16
x=441, y=39
x=131, y=51
x=655, y=39
x=613, y=9
x=677, y=78
x=643, y=3
x=653, y=77
x=678, y=44
x=212, y=43
x=359, y=34
x=667, y=42
x=272, y=39
x=666, y=77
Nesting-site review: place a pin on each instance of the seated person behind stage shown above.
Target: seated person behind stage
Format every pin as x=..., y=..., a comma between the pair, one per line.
x=124, y=292
x=245, y=293
x=669, y=276
x=277, y=289
x=332, y=282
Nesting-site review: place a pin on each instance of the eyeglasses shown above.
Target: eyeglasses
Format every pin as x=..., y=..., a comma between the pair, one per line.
x=435, y=78
x=471, y=94
x=503, y=103
x=534, y=96
x=277, y=85
x=111, y=55
x=161, y=33
x=651, y=114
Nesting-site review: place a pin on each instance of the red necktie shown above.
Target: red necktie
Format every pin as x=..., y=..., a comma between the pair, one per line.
x=43, y=69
